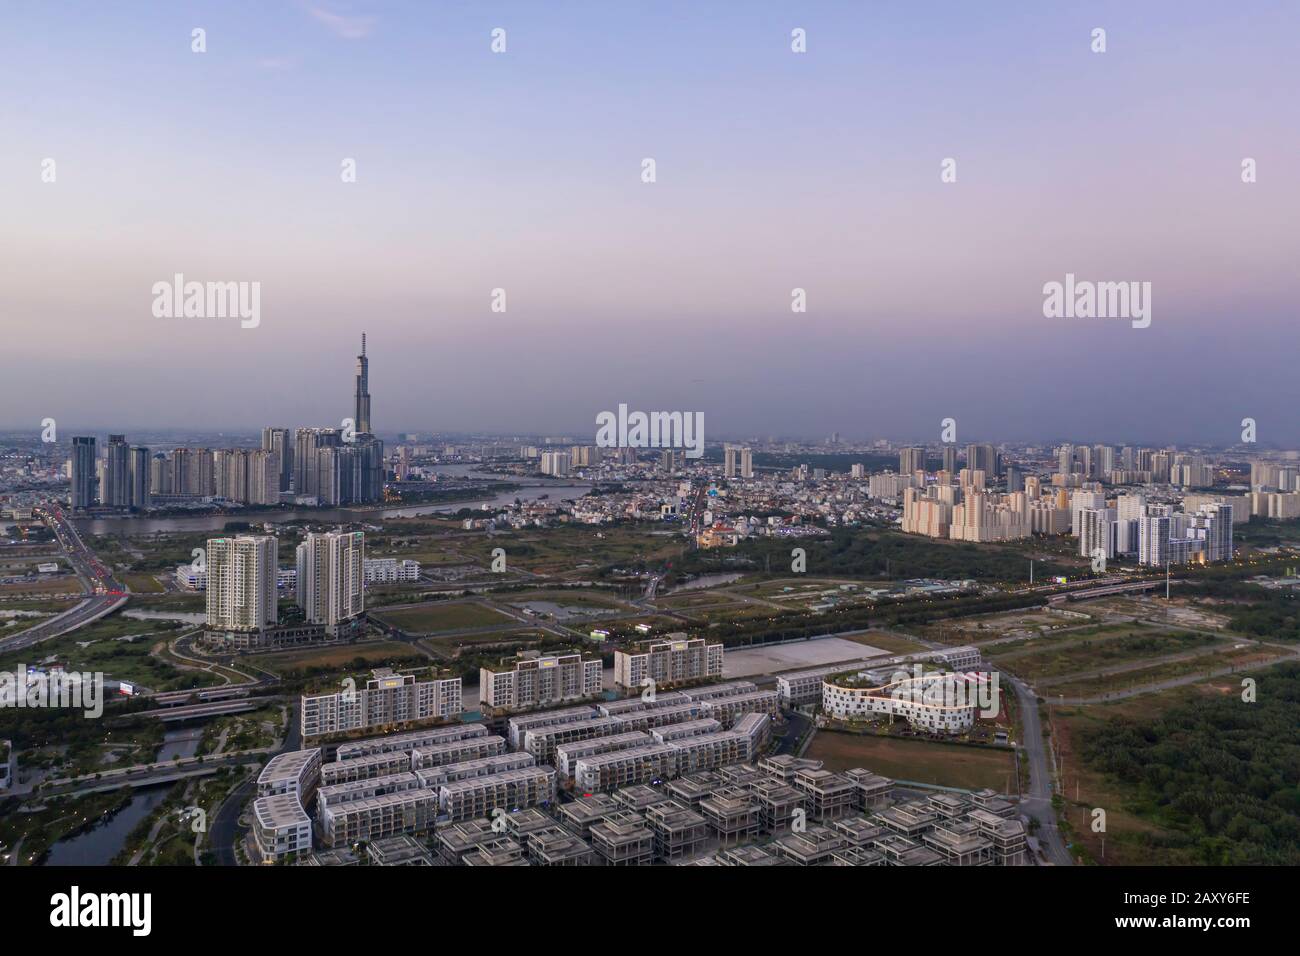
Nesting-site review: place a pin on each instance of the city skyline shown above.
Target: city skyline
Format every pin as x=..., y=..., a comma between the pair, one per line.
x=775, y=172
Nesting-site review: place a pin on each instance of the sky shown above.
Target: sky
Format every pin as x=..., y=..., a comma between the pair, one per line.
x=774, y=170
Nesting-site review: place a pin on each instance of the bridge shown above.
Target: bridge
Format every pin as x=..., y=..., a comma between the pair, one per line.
x=151, y=775
x=1109, y=589
x=193, y=711
x=174, y=698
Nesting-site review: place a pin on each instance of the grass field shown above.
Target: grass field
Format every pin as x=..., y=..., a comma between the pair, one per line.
x=62, y=585
x=341, y=658
x=448, y=645
x=139, y=583
x=569, y=597
x=183, y=601
x=687, y=600
x=948, y=765
x=443, y=616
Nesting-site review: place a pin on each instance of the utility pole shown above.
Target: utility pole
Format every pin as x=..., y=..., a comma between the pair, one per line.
x=1031, y=572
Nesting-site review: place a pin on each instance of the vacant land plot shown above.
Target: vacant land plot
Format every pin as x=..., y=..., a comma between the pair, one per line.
x=793, y=588
x=1076, y=655
x=627, y=626
x=443, y=616
x=142, y=583
x=341, y=657
x=568, y=597
x=451, y=645
x=739, y=612
x=1130, y=823
x=574, y=551
x=696, y=599
x=797, y=655
x=924, y=761
x=1097, y=685
x=886, y=641
x=60, y=585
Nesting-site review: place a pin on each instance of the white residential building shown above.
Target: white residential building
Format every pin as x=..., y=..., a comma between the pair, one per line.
x=538, y=680
x=937, y=703
x=281, y=827
x=390, y=571
x=387, y=699
x=676, y=660
x=241, y=593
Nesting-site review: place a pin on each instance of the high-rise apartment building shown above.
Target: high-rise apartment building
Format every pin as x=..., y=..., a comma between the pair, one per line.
x=737, y=461
x=1065, y=459
x=950, y=459
x=331, y=577
x=241, y=593
x=556, y=463
x=910, y=460
x=279, y=441
x=982, y=457
x=1097, y=532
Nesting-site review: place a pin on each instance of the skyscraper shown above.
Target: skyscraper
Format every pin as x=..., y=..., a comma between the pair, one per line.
x=331, y=577
x=278, y=440
x=83, y=471
x=140, y=486
x=307, y=460
x=950, y=459
x=115, y=492
x=361, y=415
x=982, y=457
x=910, y=460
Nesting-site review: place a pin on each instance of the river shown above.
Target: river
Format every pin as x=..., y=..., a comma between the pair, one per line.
x=531, y=490
x=98, y=845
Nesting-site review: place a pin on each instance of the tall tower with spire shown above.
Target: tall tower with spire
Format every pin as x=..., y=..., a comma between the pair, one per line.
x=361, y=414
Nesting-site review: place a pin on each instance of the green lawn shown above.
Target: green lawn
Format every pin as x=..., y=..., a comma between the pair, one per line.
x=443, y=616
x=925, y=761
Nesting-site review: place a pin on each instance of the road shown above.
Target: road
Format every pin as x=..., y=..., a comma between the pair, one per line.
x=104, y=592
x=1037, y=802
x=225, y=832
x=1176, y=681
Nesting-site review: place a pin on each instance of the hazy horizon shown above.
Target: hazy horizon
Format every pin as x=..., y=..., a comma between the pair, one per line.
x=775, y=170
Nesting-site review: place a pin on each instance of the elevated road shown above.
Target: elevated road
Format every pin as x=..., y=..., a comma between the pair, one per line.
x=104, y=593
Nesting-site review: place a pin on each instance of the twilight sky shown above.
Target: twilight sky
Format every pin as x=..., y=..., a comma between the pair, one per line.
x=775, y=170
